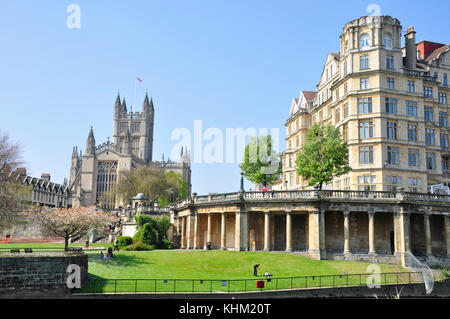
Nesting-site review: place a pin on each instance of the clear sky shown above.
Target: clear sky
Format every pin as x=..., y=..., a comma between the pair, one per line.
x=231, y=64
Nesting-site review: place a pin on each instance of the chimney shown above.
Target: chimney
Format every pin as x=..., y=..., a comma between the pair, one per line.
x=45, y=177
x=411, y=49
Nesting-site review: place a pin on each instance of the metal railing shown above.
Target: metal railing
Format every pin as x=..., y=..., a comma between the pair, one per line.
x=244, y=285
x=13, y=250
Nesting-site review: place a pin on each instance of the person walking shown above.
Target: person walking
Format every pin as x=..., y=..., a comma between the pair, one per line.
x=116, y=245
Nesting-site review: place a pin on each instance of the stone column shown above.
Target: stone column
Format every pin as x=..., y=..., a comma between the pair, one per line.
x=266, y=231
x=447, y=232
x=288, y=231
x=347, y=232
x=401, y=235
x=195, y=232
x=426, y=222
x=372, y=250
x=241, y=231
x=313, y=233
x=322, y=246
x=189, y=232
x=183, y=232
x=223, y=234
x=208, y=231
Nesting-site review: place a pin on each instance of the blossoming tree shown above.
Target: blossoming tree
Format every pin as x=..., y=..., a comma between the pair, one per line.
x=71, y=223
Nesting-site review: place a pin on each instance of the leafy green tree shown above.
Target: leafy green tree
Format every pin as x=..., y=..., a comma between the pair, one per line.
x=261, y=164
x=150, y=182
x=323, y=156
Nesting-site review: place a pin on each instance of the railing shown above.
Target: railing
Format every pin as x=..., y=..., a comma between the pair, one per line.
x=313, y=194
x=421, y=74
x=244, y=285
x=42, y=249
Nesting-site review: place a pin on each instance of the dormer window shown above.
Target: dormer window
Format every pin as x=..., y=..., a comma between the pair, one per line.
x=388, y=41
x=364, y=42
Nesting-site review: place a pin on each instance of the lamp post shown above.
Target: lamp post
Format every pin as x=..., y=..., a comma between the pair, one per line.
x=242, y=181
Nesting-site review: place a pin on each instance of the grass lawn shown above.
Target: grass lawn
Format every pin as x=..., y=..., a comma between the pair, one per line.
x=217, y=270
x=204, y=271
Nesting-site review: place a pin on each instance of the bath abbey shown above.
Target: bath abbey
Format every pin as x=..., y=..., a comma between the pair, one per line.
x=94, y=173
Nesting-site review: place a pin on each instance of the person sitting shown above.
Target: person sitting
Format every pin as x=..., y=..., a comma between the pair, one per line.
x=101, y=254
x=268, y=275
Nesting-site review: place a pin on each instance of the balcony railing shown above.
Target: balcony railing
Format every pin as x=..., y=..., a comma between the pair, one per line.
x=307, y=195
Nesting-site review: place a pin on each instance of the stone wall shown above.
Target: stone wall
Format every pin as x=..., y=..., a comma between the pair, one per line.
x=26, y=273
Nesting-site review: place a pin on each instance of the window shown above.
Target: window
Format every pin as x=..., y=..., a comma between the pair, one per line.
x=337, y=115
x=366, y=130
x=365, y=105
x=393, y=155
x=443, y=98
x=364, y=42
x=345, y=88
x=345, y=133
x=429, y=136
x=411, y=108
x=431, y=161
x=345, y=110
x=445, y=80
x=345, y=68
x=106, y=180
x=413, y=157
x=364, y=62
x=389, y=62
x=435, y=75
x=411, y=86
x=428, y=114
x=291, y=179
x=366, y=183
x=366, y=155
x=393, y=182
x=391, y=105
x=412, y=132
x=443, y=119
x=413, y=183
x=388, y=41
x=444, y=165
x=290, y=161
x=392, y=130
x=428, y=91
x=364, y=83
x=391, y=83
x=444, y=141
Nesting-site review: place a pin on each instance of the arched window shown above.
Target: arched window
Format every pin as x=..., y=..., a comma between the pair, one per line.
x=388, y=41
x=364, y=42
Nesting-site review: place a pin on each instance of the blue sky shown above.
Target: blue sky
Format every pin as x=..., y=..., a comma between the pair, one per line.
x=231, y=64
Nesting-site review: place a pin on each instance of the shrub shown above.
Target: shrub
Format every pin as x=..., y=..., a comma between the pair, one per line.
x=124, y=241
x=139, y=247
x=165, y=244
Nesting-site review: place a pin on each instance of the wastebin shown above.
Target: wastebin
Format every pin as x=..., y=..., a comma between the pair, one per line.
x=260, y=284
x=208, y=246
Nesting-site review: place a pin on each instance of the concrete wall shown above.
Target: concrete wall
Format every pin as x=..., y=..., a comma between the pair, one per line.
x=26, y=273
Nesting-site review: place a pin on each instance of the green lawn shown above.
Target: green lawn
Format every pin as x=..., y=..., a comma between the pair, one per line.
x=204, y=271
x=187, y=271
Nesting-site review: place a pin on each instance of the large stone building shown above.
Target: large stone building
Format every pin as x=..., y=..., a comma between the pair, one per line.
x=390, y=103
x=94, y=174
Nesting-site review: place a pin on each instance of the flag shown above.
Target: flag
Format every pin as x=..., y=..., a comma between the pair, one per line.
x=138, y=79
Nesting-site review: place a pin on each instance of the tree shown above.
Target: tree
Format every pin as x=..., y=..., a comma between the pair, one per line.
x=11, y=190
x=261, y=164
x=323, y=156
x=71, y=223
x=150, y=182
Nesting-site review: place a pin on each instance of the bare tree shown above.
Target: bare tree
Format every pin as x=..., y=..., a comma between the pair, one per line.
x=11, y=190
x=70, y=223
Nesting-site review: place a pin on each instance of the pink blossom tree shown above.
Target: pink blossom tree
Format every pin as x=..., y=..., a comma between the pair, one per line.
x=71, y=223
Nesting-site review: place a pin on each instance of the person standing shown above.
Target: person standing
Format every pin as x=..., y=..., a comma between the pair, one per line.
x=116, y=245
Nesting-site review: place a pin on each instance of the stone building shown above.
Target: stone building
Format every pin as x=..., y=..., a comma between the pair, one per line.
x=42, y=191
x=390, y=103
x=94, y=174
